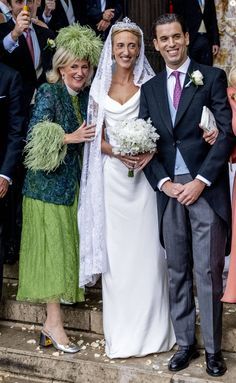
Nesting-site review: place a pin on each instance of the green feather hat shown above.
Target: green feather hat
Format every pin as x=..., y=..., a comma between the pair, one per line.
x=81, y=42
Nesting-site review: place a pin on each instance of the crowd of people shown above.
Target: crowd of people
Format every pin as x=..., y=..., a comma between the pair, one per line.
x=69, y=74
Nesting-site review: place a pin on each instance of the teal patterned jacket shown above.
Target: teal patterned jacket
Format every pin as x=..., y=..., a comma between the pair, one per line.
x=53, y=103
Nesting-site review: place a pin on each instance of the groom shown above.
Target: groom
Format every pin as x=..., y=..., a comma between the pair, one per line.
x=191, y=180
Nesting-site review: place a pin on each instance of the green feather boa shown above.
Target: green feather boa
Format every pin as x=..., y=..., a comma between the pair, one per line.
x=81, y=42
x=45, y=150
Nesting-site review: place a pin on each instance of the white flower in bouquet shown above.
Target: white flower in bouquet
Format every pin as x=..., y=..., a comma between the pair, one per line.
x=134, y=137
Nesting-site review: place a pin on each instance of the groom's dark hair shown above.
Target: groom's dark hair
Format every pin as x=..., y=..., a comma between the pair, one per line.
x=169, y=18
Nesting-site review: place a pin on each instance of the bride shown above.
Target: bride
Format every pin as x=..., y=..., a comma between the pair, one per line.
x=118, y=214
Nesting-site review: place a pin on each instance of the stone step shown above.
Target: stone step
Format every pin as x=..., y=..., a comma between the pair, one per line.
x=6, y=377
x=11, y=271
x=87, y=316
x=20, y=354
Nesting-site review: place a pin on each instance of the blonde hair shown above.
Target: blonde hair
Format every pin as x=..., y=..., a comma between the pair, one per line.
x=62, y=58
x=232, y=76
x=134, y=32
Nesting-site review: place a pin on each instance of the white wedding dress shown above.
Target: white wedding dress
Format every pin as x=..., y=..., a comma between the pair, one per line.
x=136, y=316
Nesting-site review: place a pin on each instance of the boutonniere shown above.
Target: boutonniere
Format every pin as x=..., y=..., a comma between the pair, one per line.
x=233, y=96
x=50, y=44
x=196, y=78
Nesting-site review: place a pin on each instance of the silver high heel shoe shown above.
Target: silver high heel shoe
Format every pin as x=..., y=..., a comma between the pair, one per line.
x=46, y=339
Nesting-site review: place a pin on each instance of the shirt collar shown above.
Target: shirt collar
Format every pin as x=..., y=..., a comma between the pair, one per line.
x=183, y=68
x=4, y=8
x=71, y=91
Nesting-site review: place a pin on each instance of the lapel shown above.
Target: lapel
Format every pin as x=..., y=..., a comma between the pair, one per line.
x=159, y=89
x=40, y=36
x=187, y=94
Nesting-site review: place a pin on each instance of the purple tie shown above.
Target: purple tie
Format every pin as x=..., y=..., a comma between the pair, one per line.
x=177, y=89
x=30, y=43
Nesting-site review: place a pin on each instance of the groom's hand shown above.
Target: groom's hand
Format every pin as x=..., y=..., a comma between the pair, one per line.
x=191, y=192
x=172, y=189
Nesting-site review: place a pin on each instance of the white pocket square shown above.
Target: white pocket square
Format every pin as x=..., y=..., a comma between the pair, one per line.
x=3, y=96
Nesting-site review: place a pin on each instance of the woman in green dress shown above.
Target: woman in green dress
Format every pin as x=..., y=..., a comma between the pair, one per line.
x=49, y=256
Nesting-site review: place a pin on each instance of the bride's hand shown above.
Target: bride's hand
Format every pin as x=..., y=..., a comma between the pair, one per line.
x=144, y=159
x=131, y=162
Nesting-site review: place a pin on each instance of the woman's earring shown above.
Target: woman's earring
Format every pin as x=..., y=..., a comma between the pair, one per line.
x=113, y=59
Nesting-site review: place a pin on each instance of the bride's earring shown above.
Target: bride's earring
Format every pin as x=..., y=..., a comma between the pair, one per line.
x=113, y=60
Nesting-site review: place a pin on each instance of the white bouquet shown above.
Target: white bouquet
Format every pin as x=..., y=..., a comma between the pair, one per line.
x=133, y=137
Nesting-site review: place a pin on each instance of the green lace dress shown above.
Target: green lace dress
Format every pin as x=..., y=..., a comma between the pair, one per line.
x=49, y=254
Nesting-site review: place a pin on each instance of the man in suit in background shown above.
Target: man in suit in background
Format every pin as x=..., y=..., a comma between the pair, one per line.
x=192, y=184
x=11, y=140
x=101, y=14
x=58, y=14
x=22, y=46
x=201, y=21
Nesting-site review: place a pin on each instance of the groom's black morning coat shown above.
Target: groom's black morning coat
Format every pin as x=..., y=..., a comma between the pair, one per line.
x=200, y=157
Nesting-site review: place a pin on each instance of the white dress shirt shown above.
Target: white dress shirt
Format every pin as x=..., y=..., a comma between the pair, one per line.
x=103, y=5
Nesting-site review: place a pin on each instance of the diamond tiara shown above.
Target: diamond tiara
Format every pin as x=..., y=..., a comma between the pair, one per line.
x=126, y=23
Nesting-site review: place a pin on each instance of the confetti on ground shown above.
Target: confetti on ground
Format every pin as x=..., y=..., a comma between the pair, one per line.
x=199, y=365
x=97, y=355
x=31, y=341
x=95, y=344
x=80, y=342
x=56, y=353
x=148, y=362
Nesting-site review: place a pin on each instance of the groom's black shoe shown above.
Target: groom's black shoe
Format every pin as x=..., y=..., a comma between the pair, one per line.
x=182, y=357
x=215, y=364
